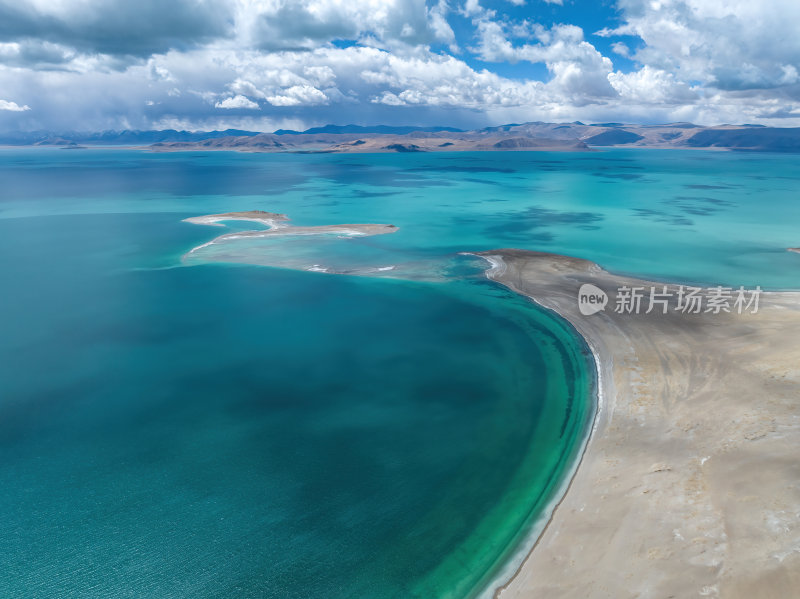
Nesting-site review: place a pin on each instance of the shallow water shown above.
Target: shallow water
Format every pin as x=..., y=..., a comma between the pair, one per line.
x=175, y=426
x=696, y=216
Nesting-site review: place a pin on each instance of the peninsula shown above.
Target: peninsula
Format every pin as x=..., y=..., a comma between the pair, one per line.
x=687, y=487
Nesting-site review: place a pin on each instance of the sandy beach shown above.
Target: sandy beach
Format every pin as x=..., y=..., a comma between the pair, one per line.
x=690, y=482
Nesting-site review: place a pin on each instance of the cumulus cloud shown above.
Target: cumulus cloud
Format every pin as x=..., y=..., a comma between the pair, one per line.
x=298, y=95
x=305, y=24
x=236, y=102
x=444, y=81
x=354, y=75
x=652, y=86
x=471, y=8
x=98, y=64
x=12, y=106
x=728, y=44
x=130, y=30
x=578, y=69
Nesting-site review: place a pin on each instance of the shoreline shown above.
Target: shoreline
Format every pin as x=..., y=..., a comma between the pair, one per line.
x=509, y=572
x=624, y=543
x=645, y=507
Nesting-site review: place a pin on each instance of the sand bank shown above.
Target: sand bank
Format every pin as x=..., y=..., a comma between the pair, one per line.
x=268, y=219
x=277, y=226
x=690, y=483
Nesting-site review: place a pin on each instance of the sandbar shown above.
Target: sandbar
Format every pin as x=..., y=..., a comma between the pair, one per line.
x=276, y=225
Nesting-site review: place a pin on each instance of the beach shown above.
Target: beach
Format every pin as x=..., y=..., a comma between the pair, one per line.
x=688, y=484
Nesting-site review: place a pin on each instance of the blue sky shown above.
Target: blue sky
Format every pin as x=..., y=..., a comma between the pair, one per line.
x=267, y=64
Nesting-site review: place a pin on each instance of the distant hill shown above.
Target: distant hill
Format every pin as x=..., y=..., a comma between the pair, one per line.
x=613, y=138
x=752, y=138
x=131, y=137
x=418, y=140
x=573, y=137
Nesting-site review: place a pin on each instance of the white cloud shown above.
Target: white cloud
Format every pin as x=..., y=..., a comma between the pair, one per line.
x=577, y=68
x=729, y=44
x=437, y=18
x=471, y=8
x=159, y=73
x=298, y=95
x=621, y=48
x=446, y=82
x=789, y=74
x=236, y=102
x=652, y=86
x=272, y=24
x=702, y=60
x=13, y=106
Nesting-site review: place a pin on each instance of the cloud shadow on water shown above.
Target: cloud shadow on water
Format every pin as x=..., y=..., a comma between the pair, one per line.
x=534, y=224
x=680, y=208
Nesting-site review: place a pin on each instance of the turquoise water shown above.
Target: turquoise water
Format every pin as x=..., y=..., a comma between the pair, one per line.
x=699, y=216
x=176, y=426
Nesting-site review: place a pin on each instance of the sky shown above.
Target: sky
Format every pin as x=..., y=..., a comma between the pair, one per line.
x=93, y=65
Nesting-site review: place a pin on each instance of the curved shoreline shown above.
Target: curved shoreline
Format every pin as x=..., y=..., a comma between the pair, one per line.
x=676, y=490
x=509, y=572
x=538, y=514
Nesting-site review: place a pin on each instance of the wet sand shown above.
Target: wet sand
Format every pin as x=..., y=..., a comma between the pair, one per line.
x=690, y=482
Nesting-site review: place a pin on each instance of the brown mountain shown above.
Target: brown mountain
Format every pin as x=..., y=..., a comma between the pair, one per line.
x=569, y=137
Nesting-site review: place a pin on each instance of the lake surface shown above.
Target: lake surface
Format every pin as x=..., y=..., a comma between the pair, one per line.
x=225, y=423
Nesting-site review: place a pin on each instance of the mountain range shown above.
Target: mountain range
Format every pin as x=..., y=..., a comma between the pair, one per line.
x=574, y=136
